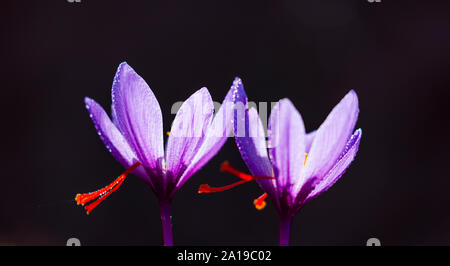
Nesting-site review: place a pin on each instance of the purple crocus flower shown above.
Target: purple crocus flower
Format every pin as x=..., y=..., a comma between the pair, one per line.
x=135, y=138
x=304, y=165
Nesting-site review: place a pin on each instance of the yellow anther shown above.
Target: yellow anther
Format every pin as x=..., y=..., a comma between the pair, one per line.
x=168, y=133
x=306, y=157
x=260, y=202
x=259, y=205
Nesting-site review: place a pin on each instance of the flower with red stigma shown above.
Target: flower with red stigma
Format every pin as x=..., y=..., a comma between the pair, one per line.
x=304, y=165
x=134, y=137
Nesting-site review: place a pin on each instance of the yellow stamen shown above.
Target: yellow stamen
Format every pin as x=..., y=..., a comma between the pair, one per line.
x=260, y=206
x=306, y=157
x=168, y=133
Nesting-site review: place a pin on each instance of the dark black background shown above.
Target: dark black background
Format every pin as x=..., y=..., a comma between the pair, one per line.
x=395, y=54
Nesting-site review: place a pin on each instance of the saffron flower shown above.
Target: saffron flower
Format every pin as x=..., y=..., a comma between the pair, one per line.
x=135, y=139
x=303, y=165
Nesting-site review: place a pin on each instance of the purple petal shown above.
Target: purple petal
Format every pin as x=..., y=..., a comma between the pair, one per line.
x=112, y=138
x=287, y=143
x=216, y=134
x=251, y=142
x=253, y=147
x=256, y=157
x=138, y=116
x=341, y=165
x=188, y=130
x=330, y=139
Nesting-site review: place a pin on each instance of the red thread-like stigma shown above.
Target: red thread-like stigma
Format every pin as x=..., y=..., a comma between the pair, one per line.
x=101, y=194
x=226, y=167
x=205, y=188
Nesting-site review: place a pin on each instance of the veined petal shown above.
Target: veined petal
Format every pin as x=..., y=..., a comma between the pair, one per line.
x=188, y=130
x=257, y=160
x=253, y=147
x=251, y=142
x=344, y=161
x=138, y=116
x=330, y=139
x=309, y=139
x=216, y=134
x=113, y=139
x=286, y=143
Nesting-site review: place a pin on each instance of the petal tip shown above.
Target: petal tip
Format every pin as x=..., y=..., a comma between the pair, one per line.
x=237, y=81
x=238, y=92
x=352, y=96
x=288, y=103
x=204, y=90
x=123, y=65
x=89, y=102
x=124, y=69
x=285, y=100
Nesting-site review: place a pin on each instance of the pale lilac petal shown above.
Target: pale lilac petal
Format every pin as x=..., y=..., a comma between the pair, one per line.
x=257, y=158
x=138, y=116
x=188, y=130
x=253, y=148
x=341, y=165
x=309, y=139
x=112, y=138
x=216, y=134
x=287, y=143
x=330, y=139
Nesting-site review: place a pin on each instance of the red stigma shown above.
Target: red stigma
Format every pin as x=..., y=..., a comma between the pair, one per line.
x=226, y=167
x=101, y=194
x=205, y=188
